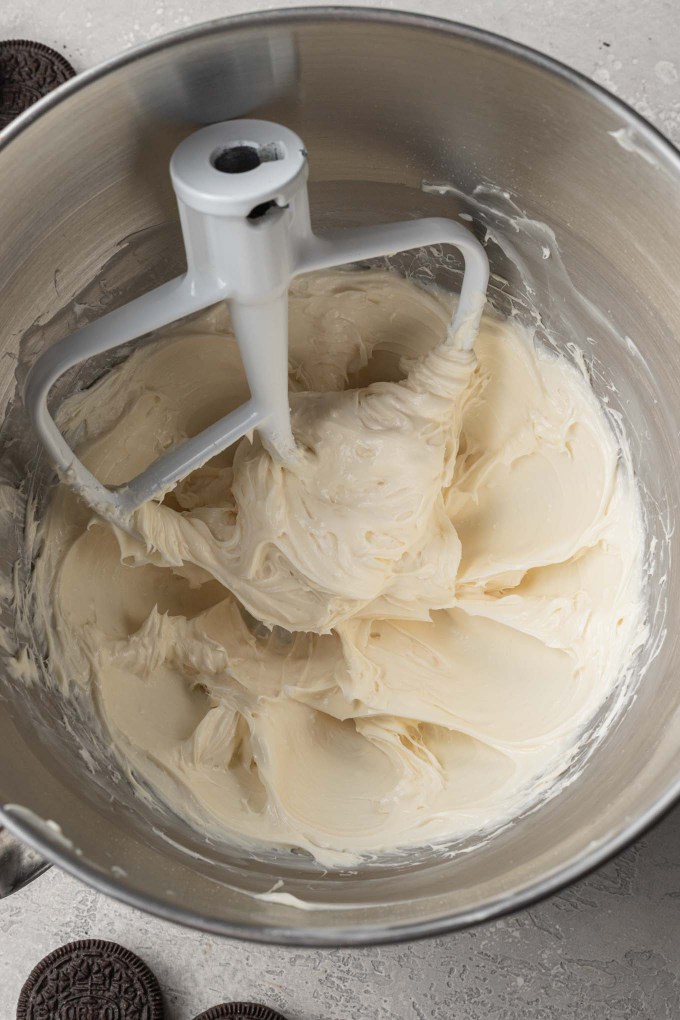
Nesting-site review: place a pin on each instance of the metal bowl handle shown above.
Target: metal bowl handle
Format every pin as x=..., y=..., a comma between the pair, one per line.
x=19, y=864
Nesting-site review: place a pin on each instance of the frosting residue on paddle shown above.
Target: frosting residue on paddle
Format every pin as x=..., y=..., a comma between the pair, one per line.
x=391, y=642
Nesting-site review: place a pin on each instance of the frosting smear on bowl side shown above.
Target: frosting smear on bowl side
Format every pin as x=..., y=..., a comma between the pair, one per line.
x=396, y=640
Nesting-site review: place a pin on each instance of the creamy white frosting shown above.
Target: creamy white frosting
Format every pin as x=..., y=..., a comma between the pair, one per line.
x=451, y=568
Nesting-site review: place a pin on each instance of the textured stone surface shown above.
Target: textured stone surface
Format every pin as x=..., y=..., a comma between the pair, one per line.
x=606, y=947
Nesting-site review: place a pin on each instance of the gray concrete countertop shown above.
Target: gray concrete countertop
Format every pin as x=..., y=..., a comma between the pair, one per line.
x=606, y=947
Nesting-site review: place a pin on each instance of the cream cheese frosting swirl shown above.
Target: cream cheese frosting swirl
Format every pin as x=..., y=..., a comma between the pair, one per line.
x=394, y=640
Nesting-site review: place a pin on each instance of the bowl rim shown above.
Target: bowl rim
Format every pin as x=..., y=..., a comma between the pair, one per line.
x=32, y=831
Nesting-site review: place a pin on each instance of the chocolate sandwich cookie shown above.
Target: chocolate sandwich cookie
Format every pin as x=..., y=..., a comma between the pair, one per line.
x=240, y=1011
x=28, y=71
x=90, y=980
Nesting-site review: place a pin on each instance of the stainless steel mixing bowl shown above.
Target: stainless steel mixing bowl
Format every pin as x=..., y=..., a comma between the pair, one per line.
x=384, y=102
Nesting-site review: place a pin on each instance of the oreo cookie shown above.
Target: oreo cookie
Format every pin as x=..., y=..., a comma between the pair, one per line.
x=90, y=980
x=28, y=71
x=240, y=1011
